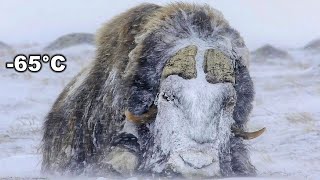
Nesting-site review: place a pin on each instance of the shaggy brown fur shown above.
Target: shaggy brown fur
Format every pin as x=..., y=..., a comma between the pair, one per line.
x=73, y=121
x=86, y=119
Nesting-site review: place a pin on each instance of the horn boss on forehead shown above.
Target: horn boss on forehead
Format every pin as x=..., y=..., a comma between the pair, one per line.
x=219, y=67
x=183, y=63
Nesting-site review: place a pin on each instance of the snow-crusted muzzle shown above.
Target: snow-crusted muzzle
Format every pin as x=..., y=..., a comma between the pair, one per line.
x=192, y=127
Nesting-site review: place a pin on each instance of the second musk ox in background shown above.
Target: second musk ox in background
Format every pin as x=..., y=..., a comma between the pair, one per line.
x=70, y=40
x=169, y=93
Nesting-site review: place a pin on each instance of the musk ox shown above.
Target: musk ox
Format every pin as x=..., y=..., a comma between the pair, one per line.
x=169, y=93
x=269, y=52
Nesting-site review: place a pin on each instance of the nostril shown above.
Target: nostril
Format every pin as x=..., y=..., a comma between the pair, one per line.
x=168, y=97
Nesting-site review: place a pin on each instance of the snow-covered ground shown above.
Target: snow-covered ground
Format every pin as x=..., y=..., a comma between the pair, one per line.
x=25, y=98
x=287, y=104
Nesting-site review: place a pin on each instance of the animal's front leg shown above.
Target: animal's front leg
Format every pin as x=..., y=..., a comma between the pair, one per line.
x=124, y=155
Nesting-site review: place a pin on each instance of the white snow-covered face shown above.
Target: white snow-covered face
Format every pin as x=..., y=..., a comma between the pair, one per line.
x=193, y=123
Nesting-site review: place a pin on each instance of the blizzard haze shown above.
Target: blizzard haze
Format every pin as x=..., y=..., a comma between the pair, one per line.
x=286, y=23
x=286, y=77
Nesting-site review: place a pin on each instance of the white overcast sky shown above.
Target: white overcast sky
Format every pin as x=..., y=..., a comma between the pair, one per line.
x=285, y=23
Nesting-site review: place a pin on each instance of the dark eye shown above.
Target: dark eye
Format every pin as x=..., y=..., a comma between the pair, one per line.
x=168, y=97
x=230, y=102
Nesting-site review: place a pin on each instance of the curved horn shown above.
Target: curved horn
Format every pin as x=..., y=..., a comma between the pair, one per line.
x=247, y=135
x=143, y=118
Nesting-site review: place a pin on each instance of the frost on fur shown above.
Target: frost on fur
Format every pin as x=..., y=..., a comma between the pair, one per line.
x=153, y=57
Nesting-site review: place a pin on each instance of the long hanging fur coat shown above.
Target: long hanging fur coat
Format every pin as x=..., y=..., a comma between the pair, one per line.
x=132, y=50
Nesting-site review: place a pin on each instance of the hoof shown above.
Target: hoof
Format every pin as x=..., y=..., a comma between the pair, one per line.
x=128, y=141
x=122, y=161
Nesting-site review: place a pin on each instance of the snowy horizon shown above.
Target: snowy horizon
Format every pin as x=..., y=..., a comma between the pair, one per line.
x=288, y=24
